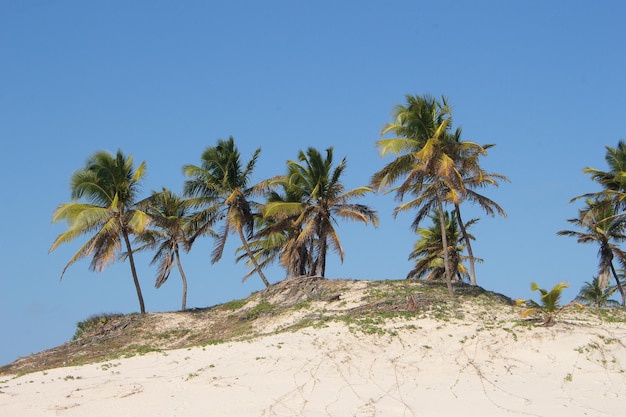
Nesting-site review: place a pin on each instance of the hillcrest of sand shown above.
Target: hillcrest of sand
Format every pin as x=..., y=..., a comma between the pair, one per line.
x=342, y=348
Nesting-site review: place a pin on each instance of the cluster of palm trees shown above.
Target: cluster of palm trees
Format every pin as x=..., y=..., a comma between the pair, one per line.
x=295, y=224
x=602, y=221
x=294, y=227
x=435, y=168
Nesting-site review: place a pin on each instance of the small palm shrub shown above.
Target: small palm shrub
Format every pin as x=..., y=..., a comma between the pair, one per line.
x=549, y=306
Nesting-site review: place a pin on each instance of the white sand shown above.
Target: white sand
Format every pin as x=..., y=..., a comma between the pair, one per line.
x=429, y=368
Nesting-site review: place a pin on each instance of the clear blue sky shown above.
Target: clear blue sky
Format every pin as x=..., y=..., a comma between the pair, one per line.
x=163, y=80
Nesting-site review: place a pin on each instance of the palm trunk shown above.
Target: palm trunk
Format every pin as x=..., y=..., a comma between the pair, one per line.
x=142, y=307
x=605, y=266
x=252, y=258
x=183, y=277
x=466, y=238
x=444, y=239
x=321, y=265
x=619, y=285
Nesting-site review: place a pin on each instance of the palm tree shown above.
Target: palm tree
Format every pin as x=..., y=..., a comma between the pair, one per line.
x=600, y=225
x=549, y=306
x=274, y=233
x=220, y=187
x=592, y=295
x=428, y=251
x=426, y=160
x=474, y=177
x=170, y=215
x=109, y=184
x=614, y=180
x=317, y=198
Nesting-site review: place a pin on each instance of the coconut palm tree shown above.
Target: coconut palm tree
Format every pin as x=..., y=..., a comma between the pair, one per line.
x=601, y=226
x=592, y=295
x=474, y=178
x=614, y=180
x=109, y=184
x=428, y=251
x=274, y=233
x=220, y=188
x=318, y=198
x=171, y=230
x=426, y=159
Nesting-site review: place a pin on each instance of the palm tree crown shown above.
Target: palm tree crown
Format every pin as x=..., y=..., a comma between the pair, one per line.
x=428, y=160
x=314, y=198
x=220, y=186
x=170, y=231
x=601, y=226
x=428, y=251
x=110, y=185
x=592, y=295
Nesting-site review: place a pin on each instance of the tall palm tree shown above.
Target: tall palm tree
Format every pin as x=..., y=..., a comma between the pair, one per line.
x=474, y=177
x=221, y=188
x=592, y=295
x=171, y=229
x=109, y=184
x=600, y=226
x=426, y=159
x=428, y=251
x=318, y=198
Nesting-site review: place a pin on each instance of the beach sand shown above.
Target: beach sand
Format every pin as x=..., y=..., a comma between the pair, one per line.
x=422, y=367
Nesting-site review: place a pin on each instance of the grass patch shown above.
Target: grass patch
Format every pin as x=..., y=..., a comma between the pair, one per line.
x=263, y=307
x=234, y=305
x=93, y=323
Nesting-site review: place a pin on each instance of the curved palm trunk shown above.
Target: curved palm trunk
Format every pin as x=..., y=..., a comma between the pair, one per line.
x=605, y=266
x=183, y=277
x=619, y=285
x=444, y=241
x=466, y=238
x=252, y=258
x=142, y=307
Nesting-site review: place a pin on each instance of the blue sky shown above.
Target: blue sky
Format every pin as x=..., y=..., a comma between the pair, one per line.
x=163, y=80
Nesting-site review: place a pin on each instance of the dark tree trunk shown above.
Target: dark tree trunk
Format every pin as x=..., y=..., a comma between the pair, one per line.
x=620, y=288
x=142, y=307
x=444, y=241
x=466, y=238
x=183, y=277
x=252, y=258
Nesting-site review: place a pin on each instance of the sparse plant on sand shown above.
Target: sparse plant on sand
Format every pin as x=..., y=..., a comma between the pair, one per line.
x=549, y=306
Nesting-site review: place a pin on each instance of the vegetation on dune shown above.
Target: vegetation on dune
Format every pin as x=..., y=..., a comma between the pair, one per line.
x=379, y=308
x=550, y=304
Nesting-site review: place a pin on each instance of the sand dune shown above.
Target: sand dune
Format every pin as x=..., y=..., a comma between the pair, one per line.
x=420, y=367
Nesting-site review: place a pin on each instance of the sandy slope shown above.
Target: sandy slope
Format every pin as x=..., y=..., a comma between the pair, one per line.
x=423, y=367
